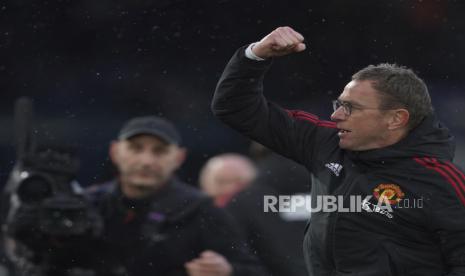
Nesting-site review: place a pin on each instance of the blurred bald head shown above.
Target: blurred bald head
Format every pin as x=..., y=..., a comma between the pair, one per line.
x=225, y=175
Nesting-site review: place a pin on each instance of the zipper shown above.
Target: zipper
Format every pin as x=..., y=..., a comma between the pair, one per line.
x=350, y=177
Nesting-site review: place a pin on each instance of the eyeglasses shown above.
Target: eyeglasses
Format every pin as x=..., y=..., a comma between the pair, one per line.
x=347, y=107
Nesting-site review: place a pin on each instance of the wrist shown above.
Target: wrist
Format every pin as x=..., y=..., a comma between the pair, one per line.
x=249, y=53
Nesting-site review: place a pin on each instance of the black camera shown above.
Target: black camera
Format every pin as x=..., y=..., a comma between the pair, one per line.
x=47, y=222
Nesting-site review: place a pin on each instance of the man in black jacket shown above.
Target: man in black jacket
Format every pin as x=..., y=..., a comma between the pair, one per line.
x=384, y=155
x=153, y=223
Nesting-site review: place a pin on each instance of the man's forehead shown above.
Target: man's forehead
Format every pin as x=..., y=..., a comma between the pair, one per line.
x=149, y=140
x=359, y=92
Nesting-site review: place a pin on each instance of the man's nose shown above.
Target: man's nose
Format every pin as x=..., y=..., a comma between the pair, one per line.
x=147, y=157
x=338, y=115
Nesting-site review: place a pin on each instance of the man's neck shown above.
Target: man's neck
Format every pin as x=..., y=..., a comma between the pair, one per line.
x=134, y=191
x=396, y=137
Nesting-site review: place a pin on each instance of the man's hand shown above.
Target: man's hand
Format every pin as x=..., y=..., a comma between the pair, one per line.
x=280, y=42
x=209, y=264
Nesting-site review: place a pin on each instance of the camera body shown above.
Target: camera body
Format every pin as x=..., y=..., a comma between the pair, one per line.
x=48, y=224
x=46, y=218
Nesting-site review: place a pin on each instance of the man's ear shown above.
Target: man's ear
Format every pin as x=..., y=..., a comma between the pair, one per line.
x=181, y=156
x=399, y=119
x=113, y=151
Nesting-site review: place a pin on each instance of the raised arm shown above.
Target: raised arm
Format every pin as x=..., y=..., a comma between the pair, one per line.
x=239, y=101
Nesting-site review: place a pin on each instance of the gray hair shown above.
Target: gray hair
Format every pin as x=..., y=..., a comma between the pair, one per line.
x=399, y=87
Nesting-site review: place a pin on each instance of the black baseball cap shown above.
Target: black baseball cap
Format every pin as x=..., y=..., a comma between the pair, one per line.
x=151, y=125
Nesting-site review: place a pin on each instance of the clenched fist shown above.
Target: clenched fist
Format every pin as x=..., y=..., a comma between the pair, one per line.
x=280, y=42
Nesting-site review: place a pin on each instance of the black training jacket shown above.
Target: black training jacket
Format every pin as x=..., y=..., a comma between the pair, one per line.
x=427, y=238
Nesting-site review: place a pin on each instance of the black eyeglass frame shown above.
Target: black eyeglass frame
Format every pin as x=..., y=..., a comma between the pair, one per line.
x=347, y=107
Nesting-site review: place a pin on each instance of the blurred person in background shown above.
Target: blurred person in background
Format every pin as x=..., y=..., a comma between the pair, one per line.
x=234, y=182
x=225, y=175
x=275, y=236
x=154, y=224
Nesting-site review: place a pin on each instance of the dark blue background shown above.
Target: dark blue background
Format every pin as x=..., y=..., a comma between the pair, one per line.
x=90, y=65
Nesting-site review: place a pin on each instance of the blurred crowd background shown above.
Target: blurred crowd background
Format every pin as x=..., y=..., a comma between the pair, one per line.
x=90, y=65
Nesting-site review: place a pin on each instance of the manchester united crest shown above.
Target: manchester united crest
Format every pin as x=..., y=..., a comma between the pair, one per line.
x=388, y=193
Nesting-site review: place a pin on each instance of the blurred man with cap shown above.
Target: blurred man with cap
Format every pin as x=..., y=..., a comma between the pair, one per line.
x=154, y=223
x=146, y=154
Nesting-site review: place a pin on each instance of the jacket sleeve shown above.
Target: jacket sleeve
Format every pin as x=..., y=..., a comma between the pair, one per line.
x=239, y=102
x=221, y=234
x=448, y=218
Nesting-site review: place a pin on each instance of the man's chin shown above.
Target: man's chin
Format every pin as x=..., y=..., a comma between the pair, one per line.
x=144, y=183
x=349, y=147
x=344, y=145
x=140, y=190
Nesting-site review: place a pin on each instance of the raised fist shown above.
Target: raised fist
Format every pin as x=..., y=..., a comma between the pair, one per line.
x=280, y=42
